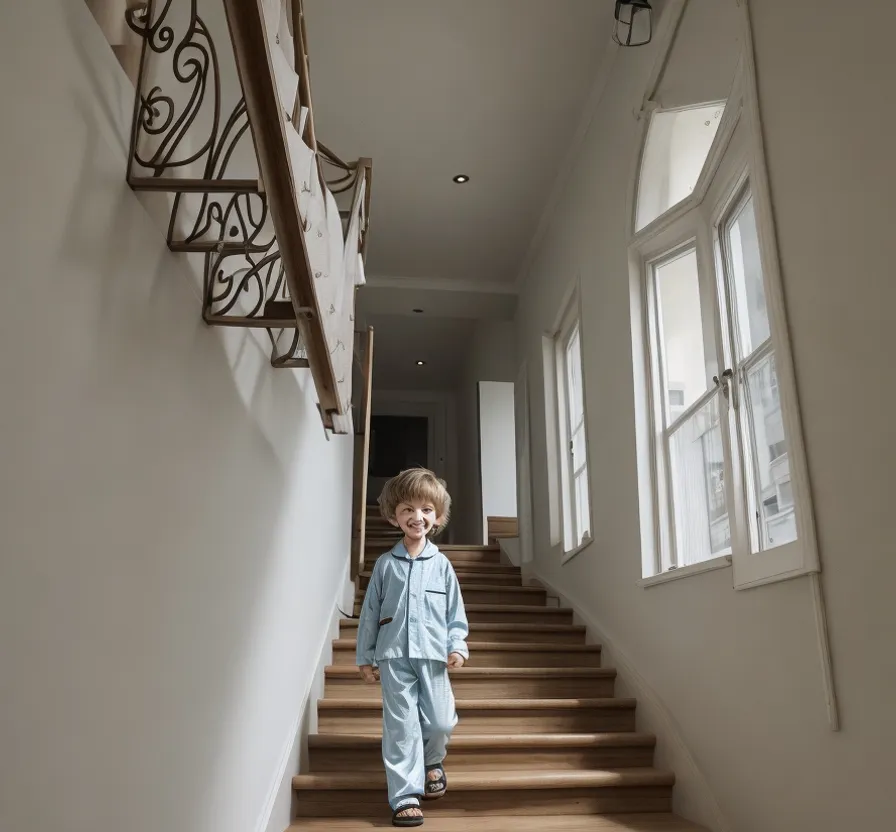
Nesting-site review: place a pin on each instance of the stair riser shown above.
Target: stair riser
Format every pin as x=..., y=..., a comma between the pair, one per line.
x=509, y=616
x=503, y=597
x=371, y=760
x=547, y=616
x=467, y=578
x=507, y=658
x=542, y=721
x=457, y=557
x=481, y=632
x=369, y=802
x=470, y=566
x=484, y=688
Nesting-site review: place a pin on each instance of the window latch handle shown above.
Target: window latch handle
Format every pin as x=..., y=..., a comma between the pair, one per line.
x=725, y=383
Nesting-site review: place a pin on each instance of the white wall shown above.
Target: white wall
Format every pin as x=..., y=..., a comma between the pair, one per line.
x=491, y=357
x=739, y=671
x=175, y=524
x=497, y=451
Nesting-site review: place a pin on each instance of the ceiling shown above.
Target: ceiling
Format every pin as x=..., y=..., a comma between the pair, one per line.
x=400, y=342
x=494, y=89
x=433, y=88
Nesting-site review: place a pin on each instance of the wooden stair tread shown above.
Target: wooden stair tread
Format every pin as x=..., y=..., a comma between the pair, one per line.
x=504, y=646
x=560, y=629
x=483, y=570
x=623, y=739
x=520, y=608
x=337, y=671
x=376, y=540
x=503, y=780
x=604, y=703
x=651, y=822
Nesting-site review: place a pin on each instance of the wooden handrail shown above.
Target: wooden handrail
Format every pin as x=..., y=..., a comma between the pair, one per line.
x=362, y=456
x=247, y=32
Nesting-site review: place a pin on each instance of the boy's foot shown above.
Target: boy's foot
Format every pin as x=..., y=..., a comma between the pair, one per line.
x=409, y=814
x=436, y=783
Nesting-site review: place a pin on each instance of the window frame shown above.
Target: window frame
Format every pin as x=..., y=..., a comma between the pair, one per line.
x=570, y=325
x=697, y=218
x=799, y=557
x=681, y=235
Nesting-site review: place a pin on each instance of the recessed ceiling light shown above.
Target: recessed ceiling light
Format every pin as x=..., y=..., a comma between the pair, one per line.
x=417, y=311
x=461, y=178
x=421, y=363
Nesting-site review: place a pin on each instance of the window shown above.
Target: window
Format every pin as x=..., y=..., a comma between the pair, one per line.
x=688, y=422
x=678, y=142
x=762, y=432
x=574, y=485
x=721, y=435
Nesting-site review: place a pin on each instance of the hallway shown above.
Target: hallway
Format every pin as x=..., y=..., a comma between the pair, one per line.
x=640, y=298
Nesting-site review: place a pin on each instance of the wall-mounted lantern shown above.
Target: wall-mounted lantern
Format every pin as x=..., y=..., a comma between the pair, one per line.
x=634, y=22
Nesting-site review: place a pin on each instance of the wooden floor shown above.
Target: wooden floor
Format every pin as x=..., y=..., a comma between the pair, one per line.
x=542, y=743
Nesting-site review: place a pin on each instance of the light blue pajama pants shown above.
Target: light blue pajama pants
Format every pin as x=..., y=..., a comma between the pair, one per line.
x=418, y=718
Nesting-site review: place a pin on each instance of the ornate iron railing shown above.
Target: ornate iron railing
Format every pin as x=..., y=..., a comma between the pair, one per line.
x=218, y=132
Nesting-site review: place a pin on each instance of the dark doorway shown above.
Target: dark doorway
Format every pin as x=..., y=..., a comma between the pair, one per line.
x=398, y=443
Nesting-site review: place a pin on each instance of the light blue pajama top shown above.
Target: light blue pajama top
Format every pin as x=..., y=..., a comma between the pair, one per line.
x=413, y=609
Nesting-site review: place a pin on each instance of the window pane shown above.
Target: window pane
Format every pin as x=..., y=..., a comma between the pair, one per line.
x=574, y=379
x=747, y=289
x=681, y=336
x=697, y=473
x=583, y=515
x=678, y=143
x=769, y=467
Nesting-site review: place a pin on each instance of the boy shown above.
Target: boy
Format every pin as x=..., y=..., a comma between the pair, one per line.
x=413, y=628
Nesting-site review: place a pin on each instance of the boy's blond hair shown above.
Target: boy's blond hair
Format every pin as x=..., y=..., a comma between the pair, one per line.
x=416, y=484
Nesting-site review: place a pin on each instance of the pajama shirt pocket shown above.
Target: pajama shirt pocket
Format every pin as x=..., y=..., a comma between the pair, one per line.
x=436, y=608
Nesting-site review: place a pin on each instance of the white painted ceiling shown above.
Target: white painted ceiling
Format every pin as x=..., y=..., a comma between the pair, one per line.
x=400, y=341
x=494, y=89
x=432, y=88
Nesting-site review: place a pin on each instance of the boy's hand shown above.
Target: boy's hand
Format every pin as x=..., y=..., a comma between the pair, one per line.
x=369, y=674
x=455, y=660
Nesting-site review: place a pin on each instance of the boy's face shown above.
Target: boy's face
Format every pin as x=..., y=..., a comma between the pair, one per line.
x=416, y=518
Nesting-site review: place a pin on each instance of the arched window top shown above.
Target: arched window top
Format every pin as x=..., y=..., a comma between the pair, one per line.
x=677, y=146
x=689, y=100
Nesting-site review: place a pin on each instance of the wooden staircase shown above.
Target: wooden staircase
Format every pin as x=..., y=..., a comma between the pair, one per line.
x=540, y=733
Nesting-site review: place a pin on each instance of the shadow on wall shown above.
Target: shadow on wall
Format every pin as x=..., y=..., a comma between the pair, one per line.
x=164, y=590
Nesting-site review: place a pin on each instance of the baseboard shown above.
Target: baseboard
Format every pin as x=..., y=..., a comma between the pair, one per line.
x=693, y=797
x=280, y=793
